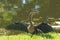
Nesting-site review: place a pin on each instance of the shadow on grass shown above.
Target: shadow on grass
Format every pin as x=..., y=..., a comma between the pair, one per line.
x=45, y=35
x=16, y=32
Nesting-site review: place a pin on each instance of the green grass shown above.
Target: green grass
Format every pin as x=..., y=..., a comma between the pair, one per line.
x=24, y=36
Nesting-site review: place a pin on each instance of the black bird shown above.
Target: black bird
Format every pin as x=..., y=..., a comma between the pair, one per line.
x=32, y=28
x=18, y=26
x=45, y=27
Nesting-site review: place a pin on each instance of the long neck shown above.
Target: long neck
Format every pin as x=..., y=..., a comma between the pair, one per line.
x=31, y=26
x=30, y=19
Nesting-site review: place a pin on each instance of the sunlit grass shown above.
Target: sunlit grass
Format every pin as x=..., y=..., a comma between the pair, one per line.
x=46, y=36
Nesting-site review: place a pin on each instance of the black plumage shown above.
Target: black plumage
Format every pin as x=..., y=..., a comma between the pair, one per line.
x=44, y=27
x=18, y=26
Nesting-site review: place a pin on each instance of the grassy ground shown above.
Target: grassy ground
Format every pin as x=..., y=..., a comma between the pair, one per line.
x=24, y=36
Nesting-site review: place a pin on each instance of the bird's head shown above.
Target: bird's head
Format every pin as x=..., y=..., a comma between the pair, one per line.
x=33, y=12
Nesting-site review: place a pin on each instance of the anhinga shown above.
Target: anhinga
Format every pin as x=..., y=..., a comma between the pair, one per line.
x=32, y=28
x=31, y=25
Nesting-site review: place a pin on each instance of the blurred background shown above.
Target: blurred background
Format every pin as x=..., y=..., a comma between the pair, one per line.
x=18, y=10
